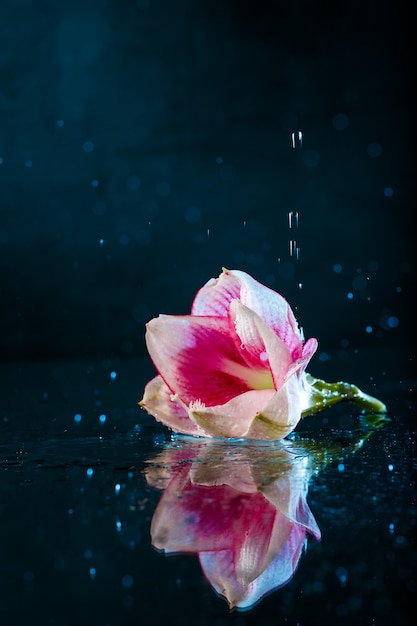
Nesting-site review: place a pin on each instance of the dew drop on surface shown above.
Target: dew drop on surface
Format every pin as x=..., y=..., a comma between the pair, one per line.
x=297, y=139
x=293, y=219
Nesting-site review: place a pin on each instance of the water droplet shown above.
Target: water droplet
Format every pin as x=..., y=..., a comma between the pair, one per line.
x=118, y=526
x=369, y=329
x=117, y=488
x=293, y=219
x=340, y=121
x=102, y=419
x=300, y=285
x=293, y=247
x=90, y=472
x=374, y=150
x=297, y=139
x=88, y=146
x=101, y=242
x=390, y=467
x=337, y=268
x=92, y=572
x=391, y=528
x=341, y=467
x=113, y=375
x=244, y=223
x=350, y=296
x=127, y=581
x=77, y=418
x=208, y=233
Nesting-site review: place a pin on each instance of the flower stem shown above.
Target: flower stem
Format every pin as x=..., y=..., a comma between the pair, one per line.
x=324, y=394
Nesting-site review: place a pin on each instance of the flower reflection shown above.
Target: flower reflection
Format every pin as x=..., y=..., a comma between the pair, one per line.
x=241, y=507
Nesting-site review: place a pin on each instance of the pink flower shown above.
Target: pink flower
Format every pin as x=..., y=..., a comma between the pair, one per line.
x=243, y=511
x=235, y=367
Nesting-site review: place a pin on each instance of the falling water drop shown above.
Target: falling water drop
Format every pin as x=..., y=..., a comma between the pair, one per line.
x=297, y=139
x=293, y=219
x=293, y=248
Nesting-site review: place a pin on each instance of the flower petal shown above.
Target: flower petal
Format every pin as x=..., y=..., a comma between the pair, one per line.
x=259, y=342
x=232, y=419
x=215, y=297
x=157, y=400
x=198, y=358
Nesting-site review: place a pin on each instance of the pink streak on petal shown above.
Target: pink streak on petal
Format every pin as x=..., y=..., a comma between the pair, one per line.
x=157, y=401
x=214, y=298
x=195, y=357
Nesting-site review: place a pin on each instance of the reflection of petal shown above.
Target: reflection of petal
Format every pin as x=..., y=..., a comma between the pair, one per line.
x=220, y=571
x=241, y=506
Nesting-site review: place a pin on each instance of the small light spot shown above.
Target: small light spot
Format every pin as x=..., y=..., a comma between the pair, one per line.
x=124, y=240
x=340, y=121
x=323, y=357
x=192, y=215
x=390, y=467
x=219, y=160
x=95, y=183
x=78, y=417
x=350, y=296
x=391, y=528
x=133, y=183
x=388, y=192
x=392, y=321
x=70, y=511
x=102, y=419
x=337, y=268
x=92, y=572
x=369, y=329
x=127, y=581
x=88, y=146
x=118, y=526
x=113, y=375
x=263, y=356
x=117, y=488
x=341, y=467
x=90, y=472
x=374, y=150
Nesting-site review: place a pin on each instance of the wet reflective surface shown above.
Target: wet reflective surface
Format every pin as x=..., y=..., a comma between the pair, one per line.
x=106, y=519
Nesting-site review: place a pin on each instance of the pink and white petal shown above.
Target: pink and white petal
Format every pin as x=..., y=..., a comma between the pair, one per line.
x=279, y=571
x=259, y=344
x=197, y=358
x=272, y=308
x=232, y=419
x=281, y=414
x=157, y=400
x=288, y=494
x=214, y=298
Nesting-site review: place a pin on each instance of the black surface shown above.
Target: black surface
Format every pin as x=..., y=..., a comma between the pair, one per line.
x=57, y=522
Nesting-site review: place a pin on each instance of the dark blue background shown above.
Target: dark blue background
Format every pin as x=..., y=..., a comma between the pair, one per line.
x=163, y=128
